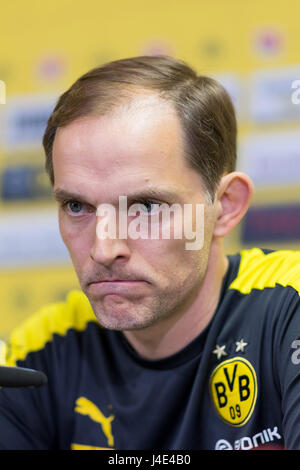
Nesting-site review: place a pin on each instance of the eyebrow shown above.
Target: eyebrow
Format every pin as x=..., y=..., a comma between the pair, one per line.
x=61, y=195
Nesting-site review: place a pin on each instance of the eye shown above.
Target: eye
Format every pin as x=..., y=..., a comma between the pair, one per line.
x=152, y=207
x=73, y=208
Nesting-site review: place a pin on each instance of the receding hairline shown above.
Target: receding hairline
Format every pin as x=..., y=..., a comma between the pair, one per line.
x=205, y=111
x=130, y=101
x=139, y=102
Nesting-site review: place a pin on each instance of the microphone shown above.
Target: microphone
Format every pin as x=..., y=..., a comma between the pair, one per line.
x=21, y=377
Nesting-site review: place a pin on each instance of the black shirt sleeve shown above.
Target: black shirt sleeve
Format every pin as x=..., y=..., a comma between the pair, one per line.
x=26, y=416
x=286, y=356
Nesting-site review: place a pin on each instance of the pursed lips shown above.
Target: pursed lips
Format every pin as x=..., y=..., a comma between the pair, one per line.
x=117, y=280
x=118, y=287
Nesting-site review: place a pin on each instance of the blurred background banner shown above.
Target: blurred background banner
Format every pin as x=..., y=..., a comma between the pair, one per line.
x=251, y=47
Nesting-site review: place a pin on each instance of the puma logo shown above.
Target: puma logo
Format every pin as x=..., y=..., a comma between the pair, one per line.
x=86, y=407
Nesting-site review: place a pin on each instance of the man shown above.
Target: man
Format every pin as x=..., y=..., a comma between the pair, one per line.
x=166, y=347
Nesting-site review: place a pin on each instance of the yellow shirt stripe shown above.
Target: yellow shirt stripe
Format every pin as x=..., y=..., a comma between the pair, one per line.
x=259, y=270
x=85, y=447
x=39, y=328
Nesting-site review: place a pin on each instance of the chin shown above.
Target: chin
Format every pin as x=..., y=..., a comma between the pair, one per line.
x=117, y=317
x=121, y=325
x=121, y=313
x=122, y=319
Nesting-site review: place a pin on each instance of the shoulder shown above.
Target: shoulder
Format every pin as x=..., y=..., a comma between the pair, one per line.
x=260, y=269
x=53, y=319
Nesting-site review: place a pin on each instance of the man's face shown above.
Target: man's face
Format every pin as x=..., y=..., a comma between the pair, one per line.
x=97, y=159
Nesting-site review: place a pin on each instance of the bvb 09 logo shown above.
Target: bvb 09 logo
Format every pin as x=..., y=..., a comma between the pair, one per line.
x=233, y=388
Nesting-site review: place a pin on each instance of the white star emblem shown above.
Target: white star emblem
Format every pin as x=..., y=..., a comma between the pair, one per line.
x=220, y=351
x=240, y=345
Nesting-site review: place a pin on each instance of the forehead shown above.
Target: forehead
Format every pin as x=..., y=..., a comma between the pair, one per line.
x=138, y=141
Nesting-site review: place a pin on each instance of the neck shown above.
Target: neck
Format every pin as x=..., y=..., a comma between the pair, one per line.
x=173, y=333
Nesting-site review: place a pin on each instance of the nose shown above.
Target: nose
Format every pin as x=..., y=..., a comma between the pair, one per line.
x=106, y=249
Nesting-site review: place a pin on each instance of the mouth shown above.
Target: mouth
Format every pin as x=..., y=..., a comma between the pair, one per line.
x=118, y=286
x=116, y=280
x=112, y=281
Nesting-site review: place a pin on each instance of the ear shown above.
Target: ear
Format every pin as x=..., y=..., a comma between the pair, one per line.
x=233, y=198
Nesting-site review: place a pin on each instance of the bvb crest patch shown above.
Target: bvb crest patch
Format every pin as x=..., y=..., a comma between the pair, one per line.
x=233, y=389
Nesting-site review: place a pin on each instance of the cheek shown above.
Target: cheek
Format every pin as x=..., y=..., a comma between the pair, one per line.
x=173, y=269
x=74, y=236
x=168, y=257
x=64, y=228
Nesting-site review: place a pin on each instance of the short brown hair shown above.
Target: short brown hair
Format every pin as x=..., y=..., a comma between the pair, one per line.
x=203, y=106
